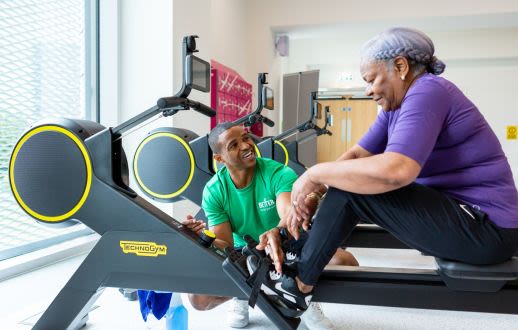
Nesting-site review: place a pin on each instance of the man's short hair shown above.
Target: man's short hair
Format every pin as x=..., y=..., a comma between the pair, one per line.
x=215, y=133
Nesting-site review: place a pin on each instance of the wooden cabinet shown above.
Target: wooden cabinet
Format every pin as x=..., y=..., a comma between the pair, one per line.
x=350, y=119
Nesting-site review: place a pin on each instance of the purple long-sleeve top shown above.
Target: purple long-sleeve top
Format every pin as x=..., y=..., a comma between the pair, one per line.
x=460, y=155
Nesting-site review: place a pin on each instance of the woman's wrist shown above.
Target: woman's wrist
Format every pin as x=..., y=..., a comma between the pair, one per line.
x=310, y=172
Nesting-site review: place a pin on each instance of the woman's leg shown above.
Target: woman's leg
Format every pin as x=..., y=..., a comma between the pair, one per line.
x=421, y=217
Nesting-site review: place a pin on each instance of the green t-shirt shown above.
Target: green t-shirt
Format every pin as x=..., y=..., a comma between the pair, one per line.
x=251, y=210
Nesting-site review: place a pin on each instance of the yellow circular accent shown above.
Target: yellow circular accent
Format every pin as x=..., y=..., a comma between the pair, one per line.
x=191, y=157
x=88, y=164
x=285, y=150
x=257, y=152
x=215, y=163
x=208, y=233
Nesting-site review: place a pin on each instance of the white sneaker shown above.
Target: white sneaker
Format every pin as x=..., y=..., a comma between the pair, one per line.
x=315, y=319
x=237, y=313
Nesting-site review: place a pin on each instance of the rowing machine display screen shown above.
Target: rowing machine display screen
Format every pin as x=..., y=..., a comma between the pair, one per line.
x=268, y=98
x=197, y=73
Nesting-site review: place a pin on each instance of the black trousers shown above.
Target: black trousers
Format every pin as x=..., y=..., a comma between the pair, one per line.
x=419, y=216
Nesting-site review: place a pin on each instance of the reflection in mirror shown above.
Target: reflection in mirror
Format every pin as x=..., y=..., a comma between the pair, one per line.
x=268, y=98
x=197, y=73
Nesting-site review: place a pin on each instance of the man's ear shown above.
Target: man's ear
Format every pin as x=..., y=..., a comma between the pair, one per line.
x=402, y=67
x=218, y=158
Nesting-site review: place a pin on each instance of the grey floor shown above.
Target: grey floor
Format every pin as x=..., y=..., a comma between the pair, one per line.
x=24, y=297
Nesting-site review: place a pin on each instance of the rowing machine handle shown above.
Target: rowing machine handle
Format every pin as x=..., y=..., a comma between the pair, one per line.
x=268, y=121
x=170, y=102
x=202, y=108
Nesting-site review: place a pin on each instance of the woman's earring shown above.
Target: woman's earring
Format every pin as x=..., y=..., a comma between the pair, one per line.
x=403, y=78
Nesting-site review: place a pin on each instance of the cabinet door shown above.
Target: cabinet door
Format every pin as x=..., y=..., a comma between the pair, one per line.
x=329, y=148
x=340, y=128
x=323, y=141
x=361, y=115
x=351, y=118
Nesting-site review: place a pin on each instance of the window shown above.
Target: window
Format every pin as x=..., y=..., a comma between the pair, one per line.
x=47, y=69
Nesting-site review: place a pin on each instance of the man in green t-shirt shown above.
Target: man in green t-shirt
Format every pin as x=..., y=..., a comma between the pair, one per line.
x=249, y=196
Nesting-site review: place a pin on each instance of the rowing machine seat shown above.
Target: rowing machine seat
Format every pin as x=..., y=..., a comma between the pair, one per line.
x=482, y=278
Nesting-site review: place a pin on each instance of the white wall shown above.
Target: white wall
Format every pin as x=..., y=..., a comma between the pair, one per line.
x=145, y=71
x=229, y=33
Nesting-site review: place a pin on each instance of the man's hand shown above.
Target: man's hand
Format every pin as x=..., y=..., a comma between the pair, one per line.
x=271, y=240
x=194, y=225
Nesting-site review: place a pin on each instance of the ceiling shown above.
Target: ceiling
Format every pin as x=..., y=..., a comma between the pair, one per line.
x=429, y=24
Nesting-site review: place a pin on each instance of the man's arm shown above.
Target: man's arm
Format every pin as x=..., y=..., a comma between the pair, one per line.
x=223, y=233
x=283, y=206
x=271, y=238
x=223, y=238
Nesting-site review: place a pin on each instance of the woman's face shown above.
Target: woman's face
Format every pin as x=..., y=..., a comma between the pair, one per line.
x=384, y=83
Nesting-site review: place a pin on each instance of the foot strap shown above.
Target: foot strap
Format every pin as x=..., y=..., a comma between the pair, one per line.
x=257, y=279
x=233, y=268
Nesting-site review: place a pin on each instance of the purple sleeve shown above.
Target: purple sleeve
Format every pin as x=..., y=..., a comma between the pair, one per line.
x=421, y=118
x=375, y=140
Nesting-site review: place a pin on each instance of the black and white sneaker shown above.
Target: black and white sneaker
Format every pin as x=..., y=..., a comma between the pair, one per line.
x=282, y=289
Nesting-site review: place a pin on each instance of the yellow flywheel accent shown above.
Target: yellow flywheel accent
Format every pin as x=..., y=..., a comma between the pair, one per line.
x=88, y=164
x=280, y=144
x=257, y=152
x=214, y=165
x=191, y=163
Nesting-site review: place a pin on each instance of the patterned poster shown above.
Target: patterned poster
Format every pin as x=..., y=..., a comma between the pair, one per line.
x=231, y=96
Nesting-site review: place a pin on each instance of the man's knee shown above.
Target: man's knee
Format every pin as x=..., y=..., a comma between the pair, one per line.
x=343, y=258
x=201, y=302
x=205, y=302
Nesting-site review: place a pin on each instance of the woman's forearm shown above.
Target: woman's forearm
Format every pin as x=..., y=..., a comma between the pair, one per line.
x=369, y=175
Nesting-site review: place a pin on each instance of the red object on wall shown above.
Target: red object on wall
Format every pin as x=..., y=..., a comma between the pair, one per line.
x=230, y=96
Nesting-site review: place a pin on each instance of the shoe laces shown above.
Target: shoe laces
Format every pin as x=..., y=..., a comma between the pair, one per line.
x=274, y=276
x=291, y=256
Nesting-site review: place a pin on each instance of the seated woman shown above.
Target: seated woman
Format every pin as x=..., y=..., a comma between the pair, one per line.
x=430, y=171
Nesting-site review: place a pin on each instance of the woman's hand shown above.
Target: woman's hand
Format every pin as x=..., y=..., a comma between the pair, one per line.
x=302, y=212
x=294, y=223
x=194, y=225
x=271, y=240
x=312, y=200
